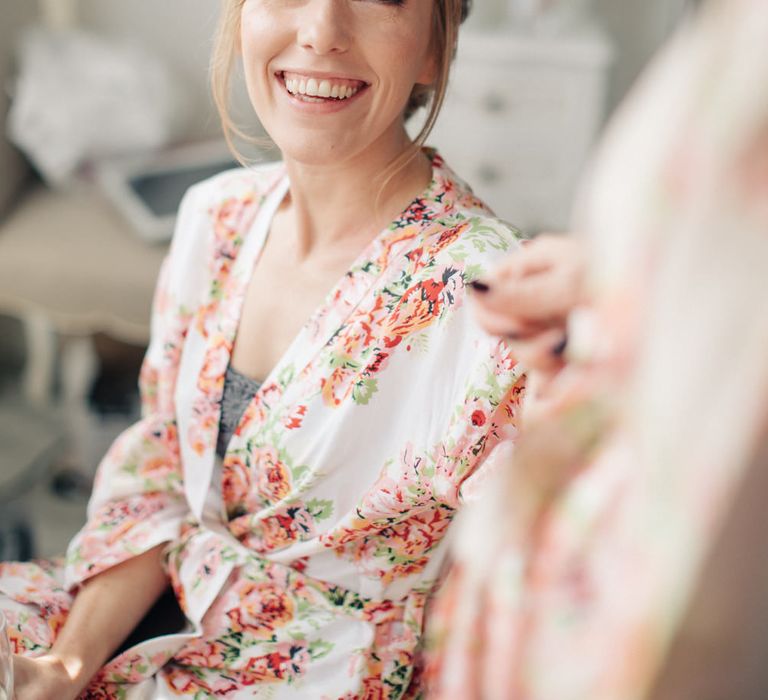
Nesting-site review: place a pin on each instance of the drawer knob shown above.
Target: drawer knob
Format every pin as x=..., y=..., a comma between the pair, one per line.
x=494, y=103
x=488, y=174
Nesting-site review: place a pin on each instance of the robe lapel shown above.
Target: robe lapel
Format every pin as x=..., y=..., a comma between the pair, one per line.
x=207, y=353
x=328, y=320
x=208, y=348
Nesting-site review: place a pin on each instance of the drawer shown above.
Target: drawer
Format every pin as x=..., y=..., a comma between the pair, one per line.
x=528, y=193
x=501, y=92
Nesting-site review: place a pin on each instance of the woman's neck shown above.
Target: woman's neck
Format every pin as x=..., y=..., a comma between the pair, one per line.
x=332, y=203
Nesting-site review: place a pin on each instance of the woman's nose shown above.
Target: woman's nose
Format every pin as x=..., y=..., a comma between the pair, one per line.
x=323, y=26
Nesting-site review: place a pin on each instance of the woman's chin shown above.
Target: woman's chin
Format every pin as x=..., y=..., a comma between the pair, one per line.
x=315, y=152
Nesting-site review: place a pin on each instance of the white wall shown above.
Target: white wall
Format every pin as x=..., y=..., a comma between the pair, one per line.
x=181, y=31
x=636, y=27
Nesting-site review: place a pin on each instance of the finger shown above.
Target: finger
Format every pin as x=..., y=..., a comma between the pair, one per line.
x=506, y=322
x=538, y=297
x=522, y=262
x=503, y=323
x=541, y=353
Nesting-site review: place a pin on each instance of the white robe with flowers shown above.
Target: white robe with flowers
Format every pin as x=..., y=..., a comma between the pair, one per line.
x=304, y=558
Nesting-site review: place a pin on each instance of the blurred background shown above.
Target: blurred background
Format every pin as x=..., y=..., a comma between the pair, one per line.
x=105, y=119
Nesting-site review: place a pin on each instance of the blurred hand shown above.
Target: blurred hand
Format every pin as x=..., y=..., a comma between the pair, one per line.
x=43, y=678
x=528, y=297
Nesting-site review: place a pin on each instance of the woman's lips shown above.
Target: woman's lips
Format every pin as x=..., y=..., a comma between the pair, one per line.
x=310, y=89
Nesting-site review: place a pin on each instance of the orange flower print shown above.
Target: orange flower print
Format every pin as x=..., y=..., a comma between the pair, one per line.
x=294, y=419
x=262, y=608
x=228, y=224
x=236, y=482
x=273, y=480
x=158, y=468
x=419, y=307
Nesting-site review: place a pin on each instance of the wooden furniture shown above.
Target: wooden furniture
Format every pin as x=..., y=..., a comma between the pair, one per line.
x=520, y=117
x=70, y=267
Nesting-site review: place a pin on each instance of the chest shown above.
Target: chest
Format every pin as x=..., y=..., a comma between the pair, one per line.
x=281, y=296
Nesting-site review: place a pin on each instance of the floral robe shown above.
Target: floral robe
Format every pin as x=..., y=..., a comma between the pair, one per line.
x=659, y=416
x=304, y=558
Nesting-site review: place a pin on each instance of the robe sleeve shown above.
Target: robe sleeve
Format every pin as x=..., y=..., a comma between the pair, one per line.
x=478, y=437
x=138, y=498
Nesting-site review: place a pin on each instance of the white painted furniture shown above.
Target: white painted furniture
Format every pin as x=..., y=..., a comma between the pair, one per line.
x=520, y=117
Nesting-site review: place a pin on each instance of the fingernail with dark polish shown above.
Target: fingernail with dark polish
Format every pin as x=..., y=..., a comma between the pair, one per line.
x=479, y=286
x=559, y=349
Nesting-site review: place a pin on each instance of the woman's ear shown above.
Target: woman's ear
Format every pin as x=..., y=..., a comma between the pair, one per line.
x=428, y=75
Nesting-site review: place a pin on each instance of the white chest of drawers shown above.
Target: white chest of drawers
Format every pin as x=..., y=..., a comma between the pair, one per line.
x=520, y=117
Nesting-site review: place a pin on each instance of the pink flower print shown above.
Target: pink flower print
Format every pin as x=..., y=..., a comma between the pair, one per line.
x=186, y=683
x=287, y=662
x=205, y=423
x=229, y=223
x=419, y=534
x=236, y=483
x=202, y=654
x=98, y=690
x=478, y=418
x=158, y=469
x=386, y=498
x=127, y=668
x=291, y=523
x=211, y=378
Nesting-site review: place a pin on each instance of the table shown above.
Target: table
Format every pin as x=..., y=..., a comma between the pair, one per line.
x=71, y=267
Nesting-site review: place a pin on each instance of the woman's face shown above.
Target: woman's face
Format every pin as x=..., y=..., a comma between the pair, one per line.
x=329, y=79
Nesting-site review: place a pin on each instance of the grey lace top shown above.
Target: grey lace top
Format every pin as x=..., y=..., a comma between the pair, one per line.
x=238, y=392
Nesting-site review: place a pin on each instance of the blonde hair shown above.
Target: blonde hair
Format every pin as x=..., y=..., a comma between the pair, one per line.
x=448, y=16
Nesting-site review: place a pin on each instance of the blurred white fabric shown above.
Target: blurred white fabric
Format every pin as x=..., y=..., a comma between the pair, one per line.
x=80, y=97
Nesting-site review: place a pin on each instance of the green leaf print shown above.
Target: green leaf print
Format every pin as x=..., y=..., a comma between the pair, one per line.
x=473, y=272
x=364, y=390
x=420, y=343
x=319, y=648
x=285, y=376
x=458, y=254
x=343, y=362
x=298, y=472
x=320, y=509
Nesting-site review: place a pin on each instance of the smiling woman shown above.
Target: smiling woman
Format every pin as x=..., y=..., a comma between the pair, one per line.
x=315, y=393
x=445, y=16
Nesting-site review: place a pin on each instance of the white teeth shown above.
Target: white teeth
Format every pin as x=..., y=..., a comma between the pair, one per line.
x=311, y=87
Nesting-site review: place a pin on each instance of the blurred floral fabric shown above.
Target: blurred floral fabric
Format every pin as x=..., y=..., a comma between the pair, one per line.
x=574, y=570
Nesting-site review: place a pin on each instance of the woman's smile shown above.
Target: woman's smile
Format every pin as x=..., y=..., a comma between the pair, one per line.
x=319, y=92
x=334, y=77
